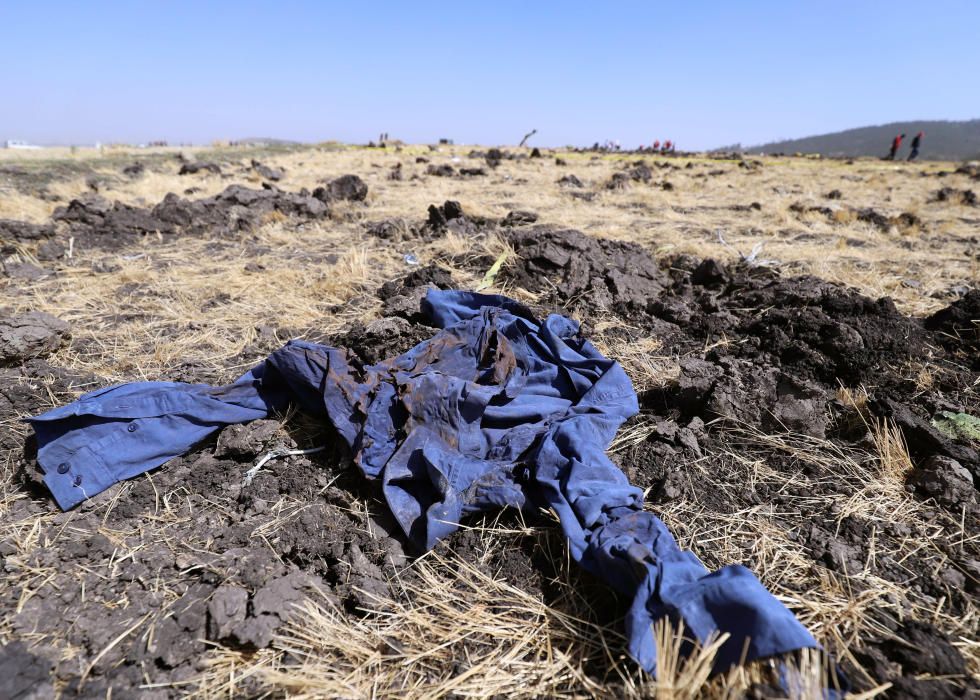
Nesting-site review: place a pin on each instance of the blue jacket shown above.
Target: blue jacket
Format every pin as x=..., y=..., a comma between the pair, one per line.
x=497, y=409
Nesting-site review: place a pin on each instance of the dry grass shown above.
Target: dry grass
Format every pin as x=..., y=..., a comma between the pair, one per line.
x=465, y=631
x=893, y=453
x=686, y=219
x=469, y=634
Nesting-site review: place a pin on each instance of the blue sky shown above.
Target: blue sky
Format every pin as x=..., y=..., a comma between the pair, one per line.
x=702, y=73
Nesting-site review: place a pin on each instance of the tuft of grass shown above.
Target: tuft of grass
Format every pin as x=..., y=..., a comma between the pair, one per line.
x=893, y=453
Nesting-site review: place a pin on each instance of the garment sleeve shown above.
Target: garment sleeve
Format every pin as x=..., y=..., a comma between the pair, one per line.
x=117, y=433
x=613, y=538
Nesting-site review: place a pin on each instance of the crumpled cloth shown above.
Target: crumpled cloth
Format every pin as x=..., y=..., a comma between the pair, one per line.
x=497, y=409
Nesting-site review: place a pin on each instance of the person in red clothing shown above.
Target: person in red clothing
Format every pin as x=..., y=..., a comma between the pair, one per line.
x=896, y=144
x=656, y=145
x=666, y=146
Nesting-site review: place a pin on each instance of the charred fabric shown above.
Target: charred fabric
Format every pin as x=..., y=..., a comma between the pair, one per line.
x=497, y=409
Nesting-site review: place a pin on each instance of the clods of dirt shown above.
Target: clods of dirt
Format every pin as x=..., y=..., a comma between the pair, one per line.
x=402, y=300
x=134, y=170
x=31, y=335
x=24, y=231
x=519, y=217
x=955, y=196
x=618, y=181
x=946, y=480
x=382, y=338
x=94, y=221
x=267, y=172
x=971, y=170
x=28, y=389
x=916, y=652
x=221, y=560
x=442, y=215
x=444, y=170
x=197, y=167
x=24, y=271
x=392, y=229
x=346, y=187
x=24, y=675
x=904, y=221
x=957, y=327
x=493, y=156
x=586, y=271
x=246, y=440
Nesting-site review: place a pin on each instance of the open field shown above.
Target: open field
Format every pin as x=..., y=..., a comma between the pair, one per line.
x=802, y=395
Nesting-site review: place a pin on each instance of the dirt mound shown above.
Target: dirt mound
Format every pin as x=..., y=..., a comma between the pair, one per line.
x=199, y=167
x=24, y=231
x=30, y=388
x=801, y=338
x=577, y=270
x=519, y=217
x=768, y=354
x=267, y=172
x=903, y=221
x=24, y=675
x=443, y=170
x=955, y=196
x=234, y=590
x=755, y=365
x=35, y=334
x=958, y=327
x=971, y=169
x=446, y=217
x=349, y=187
x=821, y=330
x=98, y=223
x=134, y=170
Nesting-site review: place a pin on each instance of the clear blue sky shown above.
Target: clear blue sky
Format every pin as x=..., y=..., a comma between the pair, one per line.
x=702, y=73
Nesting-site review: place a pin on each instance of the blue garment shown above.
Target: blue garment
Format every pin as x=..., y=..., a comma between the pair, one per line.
x=495, y=410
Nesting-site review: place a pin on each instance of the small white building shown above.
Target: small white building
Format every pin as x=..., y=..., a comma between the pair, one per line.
x=14, y=143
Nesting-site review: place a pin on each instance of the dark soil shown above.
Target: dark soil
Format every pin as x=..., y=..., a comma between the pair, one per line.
x=755, y=350
x=95, y=222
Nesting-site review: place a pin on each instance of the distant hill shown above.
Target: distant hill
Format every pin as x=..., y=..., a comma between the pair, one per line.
x=264, y=141
x=944, y=140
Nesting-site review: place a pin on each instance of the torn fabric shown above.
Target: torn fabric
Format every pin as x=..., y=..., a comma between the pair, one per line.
x=497, y=409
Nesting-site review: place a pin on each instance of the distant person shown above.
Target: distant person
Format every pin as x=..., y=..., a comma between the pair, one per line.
x=656, y=145
x=916, y=142
x=666, y=146
x=896, y=144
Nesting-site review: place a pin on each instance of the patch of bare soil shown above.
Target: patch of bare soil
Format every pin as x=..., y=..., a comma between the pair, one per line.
x=770, y=403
